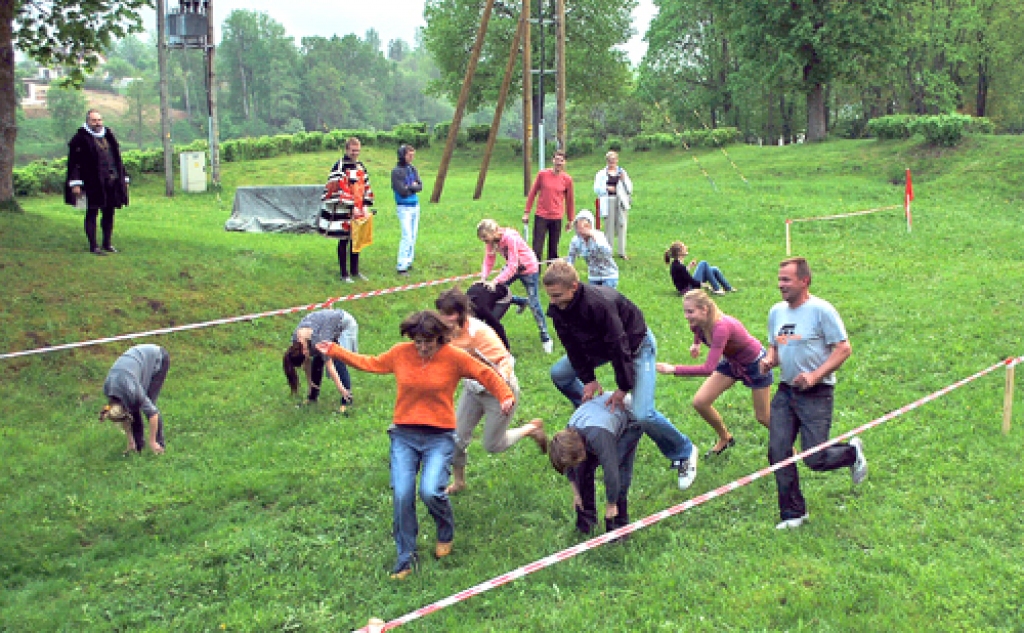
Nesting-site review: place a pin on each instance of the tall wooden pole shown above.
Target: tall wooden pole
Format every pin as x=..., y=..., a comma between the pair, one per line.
x=527, y=99
x=460, y=107
x=211, y=95
x=560, y=54
x=496, y=123
x=165, y=115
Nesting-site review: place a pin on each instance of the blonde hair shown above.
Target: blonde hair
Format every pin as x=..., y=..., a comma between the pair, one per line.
x=610, y=154
x=675, y=251
x=487, y=227
x=700, y=299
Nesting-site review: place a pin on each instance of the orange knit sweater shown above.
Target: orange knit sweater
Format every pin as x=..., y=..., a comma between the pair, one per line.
x=426, y=389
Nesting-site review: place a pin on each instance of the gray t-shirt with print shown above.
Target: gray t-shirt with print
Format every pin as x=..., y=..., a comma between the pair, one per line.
x=805, y=336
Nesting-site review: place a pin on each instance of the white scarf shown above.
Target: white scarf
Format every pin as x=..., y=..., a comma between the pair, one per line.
x=100, y=134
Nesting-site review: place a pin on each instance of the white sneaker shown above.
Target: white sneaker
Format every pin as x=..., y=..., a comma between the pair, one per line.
x=687, y=469
x=792, y=524
x=548, y=345
x=859, y=470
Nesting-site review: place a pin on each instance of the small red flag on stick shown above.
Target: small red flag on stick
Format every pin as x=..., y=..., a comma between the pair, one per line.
x=907, y=198
x=597, y=212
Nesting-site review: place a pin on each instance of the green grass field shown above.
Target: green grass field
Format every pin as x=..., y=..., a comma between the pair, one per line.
x=264, y=516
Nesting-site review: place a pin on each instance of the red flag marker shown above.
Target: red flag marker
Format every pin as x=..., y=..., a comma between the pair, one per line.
x=907, y=198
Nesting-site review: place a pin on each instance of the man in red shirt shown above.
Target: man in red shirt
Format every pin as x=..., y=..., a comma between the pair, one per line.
x=556, y=199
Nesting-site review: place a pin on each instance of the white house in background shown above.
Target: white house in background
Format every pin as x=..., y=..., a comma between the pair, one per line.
x=36, y=87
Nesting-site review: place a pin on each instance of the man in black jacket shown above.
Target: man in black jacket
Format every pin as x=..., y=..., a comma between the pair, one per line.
x=95, y=170
x=597, y=325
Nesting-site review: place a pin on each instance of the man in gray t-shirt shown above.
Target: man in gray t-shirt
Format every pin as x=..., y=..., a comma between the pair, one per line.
x=808, y=343
x=132, y=388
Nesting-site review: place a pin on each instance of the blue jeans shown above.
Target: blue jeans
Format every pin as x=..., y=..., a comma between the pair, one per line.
x=409, y=220
x=411, y=449
x=809, y=413
x=672, y=444
x=611, y=283
x=706, y=273
x=532, y=282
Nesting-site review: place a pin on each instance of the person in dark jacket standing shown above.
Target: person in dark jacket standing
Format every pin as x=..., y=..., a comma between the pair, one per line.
x=406, y=184
x=597, y=325
x=95, y=171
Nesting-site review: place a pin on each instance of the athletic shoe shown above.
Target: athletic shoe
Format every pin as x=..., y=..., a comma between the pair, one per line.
x=362, y=277
x=548, y=345
x=406, y=570
x=687, y=468
x=859, y=469
x=347, y=279
x=96, y=250
x=792, y=524
x=718, y=291
x=403, y=273
x=110, y=249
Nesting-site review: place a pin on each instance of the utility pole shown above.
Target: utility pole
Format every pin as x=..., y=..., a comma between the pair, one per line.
x=211, y=97
x=527, y=99
x=560, y=54
x=165, y=115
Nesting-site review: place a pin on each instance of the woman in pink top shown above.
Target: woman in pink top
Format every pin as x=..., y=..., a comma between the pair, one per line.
x=476, y=338
x=520, y=263
x=733, y=355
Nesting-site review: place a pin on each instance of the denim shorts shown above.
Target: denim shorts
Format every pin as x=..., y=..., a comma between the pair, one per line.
x=751, y=376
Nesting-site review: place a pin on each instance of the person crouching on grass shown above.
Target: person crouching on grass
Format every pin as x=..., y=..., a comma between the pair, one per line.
x=593, y=247
x=474, y=337
x=597, y=436
x=427, y=370
x=733, y=354
x=323, y=325
x=132, y=388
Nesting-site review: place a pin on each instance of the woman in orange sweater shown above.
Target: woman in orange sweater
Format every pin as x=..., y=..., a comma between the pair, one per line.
x=427, y=371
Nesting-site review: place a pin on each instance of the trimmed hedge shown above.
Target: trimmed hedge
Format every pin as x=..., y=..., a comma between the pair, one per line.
x=689, y=138
x=943, y=130
x=47, y=176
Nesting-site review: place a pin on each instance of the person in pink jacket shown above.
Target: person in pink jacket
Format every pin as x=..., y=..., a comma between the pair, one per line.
x=733, y=354
x=520, y=264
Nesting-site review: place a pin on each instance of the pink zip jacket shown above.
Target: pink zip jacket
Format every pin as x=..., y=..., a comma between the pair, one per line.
x=519, y=258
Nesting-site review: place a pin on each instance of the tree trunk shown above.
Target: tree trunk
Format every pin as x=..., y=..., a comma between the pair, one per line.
x=165, y=114
x=8, y=107
x=981, y=97
x=816, y=114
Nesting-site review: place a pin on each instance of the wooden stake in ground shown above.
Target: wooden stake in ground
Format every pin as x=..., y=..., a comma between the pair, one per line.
x=165, y=115
x=500, y=108
x=460, y=108
x=1008, y=399
x=527, y=100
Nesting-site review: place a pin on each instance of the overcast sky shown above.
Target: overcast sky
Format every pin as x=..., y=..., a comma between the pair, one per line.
x=393, y=19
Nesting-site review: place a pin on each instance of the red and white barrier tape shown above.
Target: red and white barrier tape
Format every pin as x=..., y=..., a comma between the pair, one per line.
x=674, y=510
x=844, y=215
x=245, y=317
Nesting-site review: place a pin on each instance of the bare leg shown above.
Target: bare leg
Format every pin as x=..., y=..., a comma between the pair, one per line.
x=762, y=404
x=703, y=402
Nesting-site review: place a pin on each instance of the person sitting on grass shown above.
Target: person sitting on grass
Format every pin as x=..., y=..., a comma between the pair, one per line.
x=598, y=436
x=427, y=371
x=733, y=354
x=593, y=247
x=323, y=325
x=474, y=337
x=132, y=388
x=520, y=263
x=687, y=277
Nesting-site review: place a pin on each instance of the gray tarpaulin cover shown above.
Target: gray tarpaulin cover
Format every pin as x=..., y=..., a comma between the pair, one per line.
x=284, y=209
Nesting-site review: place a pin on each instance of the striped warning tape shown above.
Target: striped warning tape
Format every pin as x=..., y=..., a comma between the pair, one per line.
x=674, y=510
x=237, y=319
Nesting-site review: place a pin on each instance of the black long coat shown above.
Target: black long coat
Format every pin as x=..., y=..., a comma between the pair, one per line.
x=84, y=165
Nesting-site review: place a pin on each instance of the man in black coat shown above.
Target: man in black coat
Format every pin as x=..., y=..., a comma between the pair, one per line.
x=95, y=170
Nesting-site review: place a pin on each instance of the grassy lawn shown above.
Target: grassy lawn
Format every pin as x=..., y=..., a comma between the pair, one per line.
x=266, y=516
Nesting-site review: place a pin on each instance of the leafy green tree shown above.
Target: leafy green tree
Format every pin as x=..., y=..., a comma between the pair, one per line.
x=67, y=110
x=53, y=32
x=143, y=101
x=814, y=42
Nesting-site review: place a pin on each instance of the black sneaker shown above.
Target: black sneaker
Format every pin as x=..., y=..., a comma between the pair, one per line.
x=96, y=250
